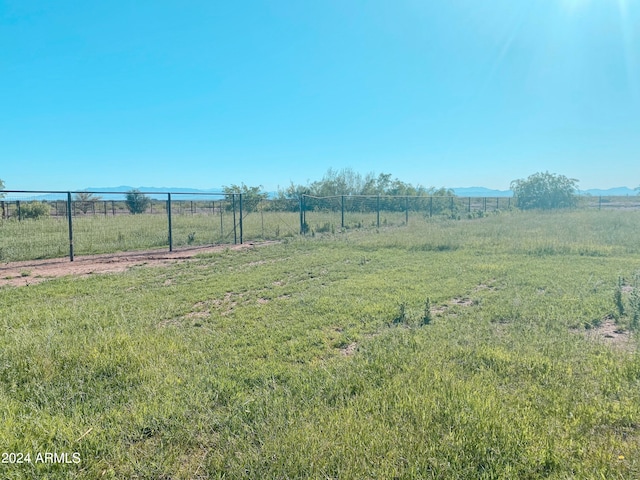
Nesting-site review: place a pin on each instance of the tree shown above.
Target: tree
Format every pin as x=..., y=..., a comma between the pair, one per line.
x=136, y=201
x=288, y=199
x=251, y=196
x=339, y=182
x=545, y=191
x=85, y=199
x=1, y=188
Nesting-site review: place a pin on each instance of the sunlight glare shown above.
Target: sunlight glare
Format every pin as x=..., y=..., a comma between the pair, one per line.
x=575, y=5
x=629, y=52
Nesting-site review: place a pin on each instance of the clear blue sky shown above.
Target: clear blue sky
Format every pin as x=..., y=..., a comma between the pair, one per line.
x=207, y=93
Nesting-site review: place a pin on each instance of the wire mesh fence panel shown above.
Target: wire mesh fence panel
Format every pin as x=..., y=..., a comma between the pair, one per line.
x=206, y=220
x=35, y=225
x=320, y=215
x=109, y=224
x=29, y=229
x=271, y=220
x=360, y=212
x=619, y=202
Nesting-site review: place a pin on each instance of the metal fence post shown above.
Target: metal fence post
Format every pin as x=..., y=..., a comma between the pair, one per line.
x=19, y=210
x=169, y=219
x=303, y=214
x=342, y=210
x=406, y=210
x=69, y=217
x=221, y=226
x=240, y=218
x=469, y=208
x=431, y=206
x=233, y=203
x=301, y=202
x=378, y=210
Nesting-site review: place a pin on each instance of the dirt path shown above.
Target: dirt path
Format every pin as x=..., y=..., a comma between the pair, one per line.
x=25, y=273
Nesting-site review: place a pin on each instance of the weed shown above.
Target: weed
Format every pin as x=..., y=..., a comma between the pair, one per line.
x=618, y=300
x=634, y=305
x=401, y=318
x=324, y=228
x=427, y=316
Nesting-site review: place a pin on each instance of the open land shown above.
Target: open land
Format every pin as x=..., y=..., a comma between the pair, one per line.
x=479, y=348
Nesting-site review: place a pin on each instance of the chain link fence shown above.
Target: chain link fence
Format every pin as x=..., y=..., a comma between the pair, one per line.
x=327, y=214
x=38, y=225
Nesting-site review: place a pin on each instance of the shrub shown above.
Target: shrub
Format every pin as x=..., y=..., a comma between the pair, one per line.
x=545, y=191
x=137, y=202
x=34, y=210
x=85, y=201
x=617, y=298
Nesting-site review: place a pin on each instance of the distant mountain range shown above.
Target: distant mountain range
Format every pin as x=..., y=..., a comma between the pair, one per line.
x=161, y=191
x=195, y=193
x=487, y=192
x=459, y=191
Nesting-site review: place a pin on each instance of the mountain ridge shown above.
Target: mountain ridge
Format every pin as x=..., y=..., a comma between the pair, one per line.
x=159, y=193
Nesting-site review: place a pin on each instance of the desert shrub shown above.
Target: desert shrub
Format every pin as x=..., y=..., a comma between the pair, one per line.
x=545, y=191
x=137, y=202
x=34, y=210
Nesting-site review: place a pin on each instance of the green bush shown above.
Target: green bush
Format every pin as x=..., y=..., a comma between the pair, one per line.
x=545, y=191
x=137, y=202
x=34, y=210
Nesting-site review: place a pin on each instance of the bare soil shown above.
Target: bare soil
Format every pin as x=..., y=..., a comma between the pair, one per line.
x=610, y=333
x=20, y=274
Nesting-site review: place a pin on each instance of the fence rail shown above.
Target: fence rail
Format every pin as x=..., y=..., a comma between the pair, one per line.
x=47, y=224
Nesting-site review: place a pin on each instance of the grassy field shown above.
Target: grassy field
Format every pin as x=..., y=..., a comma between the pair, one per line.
x=316, y=358
x=49, y=237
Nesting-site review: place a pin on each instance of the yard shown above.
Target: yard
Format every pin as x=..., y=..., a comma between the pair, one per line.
x=496, y=347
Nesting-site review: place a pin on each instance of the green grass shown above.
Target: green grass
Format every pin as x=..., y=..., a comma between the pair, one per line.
x=234, y=366
x=49, y=237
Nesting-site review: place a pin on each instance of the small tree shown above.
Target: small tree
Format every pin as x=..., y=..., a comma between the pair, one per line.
x=137, y=202
x=288, y=199
x=34, y=210
x=1, y=188
x=545, y=191
x=251, y=196
x=85, y=199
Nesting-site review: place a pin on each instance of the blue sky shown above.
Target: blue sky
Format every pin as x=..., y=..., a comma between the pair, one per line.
x=208, y=93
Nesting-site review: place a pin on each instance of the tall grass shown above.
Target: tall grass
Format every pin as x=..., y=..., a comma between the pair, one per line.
x=49, y=237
